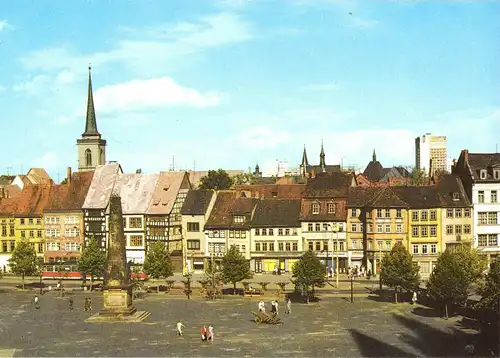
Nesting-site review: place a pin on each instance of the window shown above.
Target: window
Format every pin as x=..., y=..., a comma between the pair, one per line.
x=369, y=228
x=193, y=244
x=257, y=246
x=124, y=223
x=335, y=246
x=12, y=232
x=456, y=196
x=496, y=174
x=466, y=229
x=354, y=213
x=492, y=240
x=23, y=233
x=325, y=246
x=467, y=213
x=379, y=213
x=399, y=213
x=379, y=244
x=4, y=230
x=449, y=229
x=433, y=248
x=353, y=244
x=449, y=213
x=414, y=231
x=281, y=246
x=480, y=196
x=287, y=232
x=318, y=246
x=399, y=228
x=433, y=230
x=331, y=208
x=53, y=246
x=361, y=227
x=39, y=233
x=295, y=246
x=415, y=249
x=325, y=227
x=287, y=246
x=433, y=215
x=353, y=227
x=423, y=231
x=88, y=158
x=30, y=221
x=341, y=244
x=193, y=227
x=379, y=228
x=458, y=229
x=309, y=227
x=136, y=240
x=239, y=219
x=388, y=228
x=482, y=240
x=458, y=212
x=4, y=246
x=424, y=249
x=369, y=245
x=387, y=213
x=270, y=232
x=483, y=174
x=414, y=215
x=482, y=219
x=493, y=196
x=264, y=246
x=423, y=215
x=22, y=221
x=317, y=227
x=388, y=245
x=492, y=218
x=71, y=232
x=135, y=223
x=257, y=232
x=315, y=208
x=38, y=221
x=294, y=231
x=311, y=246
x=72, y=246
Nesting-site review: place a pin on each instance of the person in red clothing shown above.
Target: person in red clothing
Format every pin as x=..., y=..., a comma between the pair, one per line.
x=204, y=333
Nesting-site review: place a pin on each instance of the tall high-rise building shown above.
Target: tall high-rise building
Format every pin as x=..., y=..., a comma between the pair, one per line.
x=431, y=150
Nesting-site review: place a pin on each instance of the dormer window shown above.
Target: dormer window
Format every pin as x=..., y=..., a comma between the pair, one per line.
x=331, y=208
x=496, y=173
x=456, y=196
x=239, y=219
x=483, y=174
x=315, y=208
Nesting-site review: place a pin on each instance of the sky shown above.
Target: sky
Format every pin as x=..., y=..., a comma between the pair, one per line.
x=208, y=84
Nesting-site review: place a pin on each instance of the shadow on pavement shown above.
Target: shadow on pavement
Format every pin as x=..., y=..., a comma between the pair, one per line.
x=372, y=347
x=426, y=312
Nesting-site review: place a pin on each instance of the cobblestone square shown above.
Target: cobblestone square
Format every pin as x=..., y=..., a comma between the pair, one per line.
x=330, y=327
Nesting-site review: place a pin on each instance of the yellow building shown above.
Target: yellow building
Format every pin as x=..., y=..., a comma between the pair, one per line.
x=377, y=219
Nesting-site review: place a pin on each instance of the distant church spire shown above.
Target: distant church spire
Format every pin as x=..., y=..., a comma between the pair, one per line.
x=90, y=123
x=374, y=156
x=322, y=157
x=305, y=162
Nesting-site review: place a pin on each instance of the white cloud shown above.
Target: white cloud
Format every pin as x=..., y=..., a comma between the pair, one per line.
x=148, y=94
x=320, y=87
x=4, y=25
x=359, y=22
x=149, y=50
x=33, y=86
x=262, y=137
x=48, y=160
x=65, y=77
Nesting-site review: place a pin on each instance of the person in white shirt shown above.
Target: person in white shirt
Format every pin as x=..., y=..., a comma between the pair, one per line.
x=211, y=333
x=262, y=307
x=179, y=328
x=35, y=301
x=289, y=306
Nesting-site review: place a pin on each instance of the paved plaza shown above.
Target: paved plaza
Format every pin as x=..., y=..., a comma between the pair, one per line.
x=331, y=327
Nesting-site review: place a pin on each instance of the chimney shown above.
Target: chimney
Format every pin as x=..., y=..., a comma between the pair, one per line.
x=138, y=171
x=68, y=175
x=466, y=155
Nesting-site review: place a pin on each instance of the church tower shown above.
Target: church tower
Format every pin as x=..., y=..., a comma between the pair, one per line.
x=91, y=148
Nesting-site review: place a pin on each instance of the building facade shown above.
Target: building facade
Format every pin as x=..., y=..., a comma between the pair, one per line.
x=480, y=175
x=431, y=154
x=195, y=212
x=276, y=241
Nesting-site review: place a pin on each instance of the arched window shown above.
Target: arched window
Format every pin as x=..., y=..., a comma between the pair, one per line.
x=88, y=158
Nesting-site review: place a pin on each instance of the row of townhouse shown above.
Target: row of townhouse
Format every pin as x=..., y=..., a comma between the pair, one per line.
x=345, y=225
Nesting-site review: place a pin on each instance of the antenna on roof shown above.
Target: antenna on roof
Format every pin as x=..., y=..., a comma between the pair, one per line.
x=172, y=168
x=8, y=170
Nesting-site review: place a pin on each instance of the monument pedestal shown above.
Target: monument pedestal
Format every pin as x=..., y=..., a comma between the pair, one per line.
x=118, y=306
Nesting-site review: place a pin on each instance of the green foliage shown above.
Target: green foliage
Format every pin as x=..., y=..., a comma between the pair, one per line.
x=244, y=178
x=398, y=269
x=157, y=263
x=235, y=267
x=456, y=270
x=93, y=260
x=417, y=177
x=24, y=261
x=490, y=291
x=308, y=273
x=216, y=180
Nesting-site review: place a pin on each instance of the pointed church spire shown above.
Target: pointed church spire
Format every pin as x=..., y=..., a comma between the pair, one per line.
x=90, y=123
x=322, y=156
x=305, y=162
x=374, y=156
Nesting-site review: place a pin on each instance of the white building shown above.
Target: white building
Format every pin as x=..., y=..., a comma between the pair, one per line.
x=431, y=147
x=480, y=175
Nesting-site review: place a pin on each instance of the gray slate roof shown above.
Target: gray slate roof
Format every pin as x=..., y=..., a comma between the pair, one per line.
x=197, y=202
x=102, y=186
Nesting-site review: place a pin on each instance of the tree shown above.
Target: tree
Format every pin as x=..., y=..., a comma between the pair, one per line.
x=157, y=263
x=216, y=180
x=417, y=177
x=456, y=270
x=92, y=261
x=24, y=261
x=399, y=271
x=212, y=277
x=235, y=267
x=243, y=178
x=308, y=273
x=490, y=291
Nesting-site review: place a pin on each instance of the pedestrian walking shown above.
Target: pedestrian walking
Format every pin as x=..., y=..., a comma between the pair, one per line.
x=414, y=298
x=288, y=306
x=211, y=333
x=90, y=304
x=179, y=328
x=262, y=307
x=86, y=305
x=204, y=333
x=71, y=303
x=276, y=308
x=35, y=302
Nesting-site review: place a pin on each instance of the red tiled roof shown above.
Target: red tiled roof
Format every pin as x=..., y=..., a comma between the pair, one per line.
x=33, y=200
x=70, y=196
x=282, y=191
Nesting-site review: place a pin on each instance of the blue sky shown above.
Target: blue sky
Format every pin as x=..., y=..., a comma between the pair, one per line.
x=228, y=83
